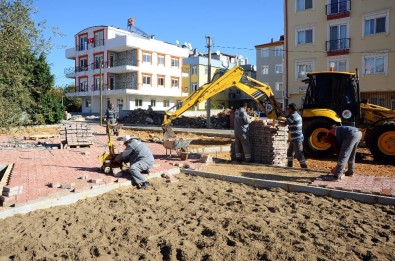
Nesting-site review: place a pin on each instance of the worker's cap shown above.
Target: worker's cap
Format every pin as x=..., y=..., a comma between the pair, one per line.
x=127, y=138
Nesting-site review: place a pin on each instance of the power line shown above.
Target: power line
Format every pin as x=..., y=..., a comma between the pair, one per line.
x=250, y=49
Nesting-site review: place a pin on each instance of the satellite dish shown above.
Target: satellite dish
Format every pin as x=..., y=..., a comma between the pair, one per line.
x=190, y=46
x=177, y=42
x=186, y=44
x=218, y=52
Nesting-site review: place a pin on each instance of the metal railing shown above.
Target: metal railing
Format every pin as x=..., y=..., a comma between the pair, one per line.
x=338, y=45
x=338, y=8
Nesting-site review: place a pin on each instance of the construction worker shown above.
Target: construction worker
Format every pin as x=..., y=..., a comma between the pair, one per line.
x=344, y=140
x=241, y=124
x=111, y=114
x=294, y=123
x=140, y=158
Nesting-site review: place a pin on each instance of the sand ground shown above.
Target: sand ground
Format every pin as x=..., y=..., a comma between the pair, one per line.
x=202, y=219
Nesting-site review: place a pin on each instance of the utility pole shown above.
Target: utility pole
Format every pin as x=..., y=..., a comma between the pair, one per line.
x=101, y=94
x=208, y=103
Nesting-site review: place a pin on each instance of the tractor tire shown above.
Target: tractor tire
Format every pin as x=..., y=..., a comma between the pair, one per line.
x=311, y=146
x=381, y=142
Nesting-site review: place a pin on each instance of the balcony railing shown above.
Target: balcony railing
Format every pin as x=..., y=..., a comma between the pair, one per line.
x=341, y=7
x=110, y=87
x=338, y=45
x=87, y=45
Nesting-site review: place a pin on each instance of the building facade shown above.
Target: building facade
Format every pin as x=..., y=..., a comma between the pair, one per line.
x=269, y=63
x=196, y=67
x=125, y=67
x=348, y=34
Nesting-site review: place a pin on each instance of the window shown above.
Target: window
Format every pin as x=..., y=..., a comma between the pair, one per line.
x=174, y=62
x=99, y=60
x=153, y=103
x=166, y=103
x=83, y=43
x=147, y=79
x=304, y=4
x=161, y=81
x=87, y=103
x=340, y=65
x=304, y=36
x=265, y=69
x=146, y=58
x=338, y=37
x=265, y=52
x=112, y=83
x=83, y=85
x=376, y=23
x=174, y=82
x=194, y=87
x=99, y=39
x=161, y=60
x=83, y=65
x=279, y=86
x=279, y=68
x=392, y=103
x=378, y=101
x=194, y=69
x=97, y=82
x=138, y=102
x=119, y=102
x=375, y=64
x=337, y=6
x=302, y=68
x=278, y=51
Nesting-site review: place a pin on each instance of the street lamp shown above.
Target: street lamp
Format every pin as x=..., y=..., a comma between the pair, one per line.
x=208, y=103
x=101, y=94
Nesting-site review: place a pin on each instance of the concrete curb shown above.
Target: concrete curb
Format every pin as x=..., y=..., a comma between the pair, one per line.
x=72, y=197
x=319, y=191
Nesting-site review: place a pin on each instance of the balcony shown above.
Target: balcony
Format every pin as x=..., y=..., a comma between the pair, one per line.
x=338, y=46
x=338, y=10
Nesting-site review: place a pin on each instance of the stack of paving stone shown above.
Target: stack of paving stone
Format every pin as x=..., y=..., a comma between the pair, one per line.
x=268, y=143
x=76, y=135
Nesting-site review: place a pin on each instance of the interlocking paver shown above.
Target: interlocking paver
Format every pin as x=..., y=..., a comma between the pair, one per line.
x=36, y=168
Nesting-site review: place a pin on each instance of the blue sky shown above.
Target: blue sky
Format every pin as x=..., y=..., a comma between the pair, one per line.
x=237, y=25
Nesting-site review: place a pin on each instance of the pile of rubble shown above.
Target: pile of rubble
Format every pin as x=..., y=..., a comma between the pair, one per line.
x=145, y=117
x=268, y=143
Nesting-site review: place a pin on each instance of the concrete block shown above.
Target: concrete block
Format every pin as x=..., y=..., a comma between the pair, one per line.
x=67, y=186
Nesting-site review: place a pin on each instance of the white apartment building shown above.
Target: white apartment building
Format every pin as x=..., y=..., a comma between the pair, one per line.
x=350, y=34
x=125, y=67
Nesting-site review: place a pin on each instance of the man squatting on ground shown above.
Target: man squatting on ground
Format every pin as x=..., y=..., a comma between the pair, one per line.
x=242, y=143
x=294, y=122
x=344, y=140
x=140, y=158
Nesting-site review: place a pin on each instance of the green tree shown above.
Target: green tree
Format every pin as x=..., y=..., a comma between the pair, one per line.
x=72, y=104
x=20, y=41
x=46, y=107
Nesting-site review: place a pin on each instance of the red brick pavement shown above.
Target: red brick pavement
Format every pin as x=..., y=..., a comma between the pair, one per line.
x=36, y=168
x=359, y=183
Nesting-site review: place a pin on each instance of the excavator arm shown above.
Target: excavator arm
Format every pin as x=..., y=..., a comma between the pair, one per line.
x=261, y=93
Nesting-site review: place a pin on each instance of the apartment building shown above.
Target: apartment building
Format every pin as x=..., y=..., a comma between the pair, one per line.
x=348, y=34
x=196, y=66
x=269, y=63
x=125, y=67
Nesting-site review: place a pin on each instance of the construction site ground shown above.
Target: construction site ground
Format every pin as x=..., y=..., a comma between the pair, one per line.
x=194, y=218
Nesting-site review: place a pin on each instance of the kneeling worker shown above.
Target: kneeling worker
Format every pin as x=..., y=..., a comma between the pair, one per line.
x=140, y=158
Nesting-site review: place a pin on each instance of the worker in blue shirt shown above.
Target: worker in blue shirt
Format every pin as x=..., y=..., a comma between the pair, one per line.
x=294, y=122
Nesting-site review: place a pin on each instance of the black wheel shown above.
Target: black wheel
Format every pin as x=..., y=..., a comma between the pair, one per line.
x=311, y=145
x=382, y=142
